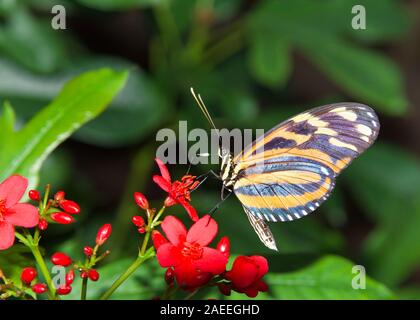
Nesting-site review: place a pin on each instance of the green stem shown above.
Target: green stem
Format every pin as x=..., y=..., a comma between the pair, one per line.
x=43, y=267
x=133, y=267
x=167, y=26
x=32, y=244
x=84, y=289
x=226, y=47
x=192, y=294
x=144, y=245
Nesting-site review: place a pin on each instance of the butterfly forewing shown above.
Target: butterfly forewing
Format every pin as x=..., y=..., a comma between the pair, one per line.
x=288, y=172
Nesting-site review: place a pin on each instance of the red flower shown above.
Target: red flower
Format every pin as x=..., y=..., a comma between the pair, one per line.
x=103, y=234
x=193, y=262
x=61, y=259
x=93, y=275
x=39, y=288
x=141, y=200
x=246, y=275
x=62, y=217
x=28, y=275
x=13, y=213
x=70, y=206
x=178, y=191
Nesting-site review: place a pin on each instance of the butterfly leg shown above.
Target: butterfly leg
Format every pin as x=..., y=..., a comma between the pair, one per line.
x=213, y=210
x=204, y=177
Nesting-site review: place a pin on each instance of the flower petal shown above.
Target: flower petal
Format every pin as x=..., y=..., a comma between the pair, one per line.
x=212, y=261
x=262, y=264
x=162, y=183
x=158, y=239
x=174, y=230
x=12, y=189
x=203, y=231
x=244, y=272
x=22, y=215
x=187, y=276
x=7, y=235
x=190, y=210
x=169, y=255
x=163, y=170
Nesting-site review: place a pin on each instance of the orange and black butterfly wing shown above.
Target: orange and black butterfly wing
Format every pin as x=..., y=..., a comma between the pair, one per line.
x=288, y=172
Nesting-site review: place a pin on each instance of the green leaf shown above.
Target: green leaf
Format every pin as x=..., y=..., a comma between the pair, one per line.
x=364, y=74
x=385, y=181
x=32, y=43
x=80, y=101
x=385, y=20
x=321, y=31
x=7, y=122
x=328, y=278
x=269, y=60
x=133, y=114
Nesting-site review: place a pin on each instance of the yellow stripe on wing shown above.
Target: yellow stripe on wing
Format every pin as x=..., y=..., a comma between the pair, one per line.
x=284, y=202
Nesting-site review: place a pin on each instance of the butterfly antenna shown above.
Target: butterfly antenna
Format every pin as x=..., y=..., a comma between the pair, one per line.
x=203, y=109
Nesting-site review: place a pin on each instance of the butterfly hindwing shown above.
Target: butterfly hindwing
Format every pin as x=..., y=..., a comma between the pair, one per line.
x=288, y=172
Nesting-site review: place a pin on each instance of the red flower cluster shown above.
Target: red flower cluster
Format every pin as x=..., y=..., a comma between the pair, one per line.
x=86, y=269
x=49, y=213
x=13, y=213
x=178, y=191
x=193, y=264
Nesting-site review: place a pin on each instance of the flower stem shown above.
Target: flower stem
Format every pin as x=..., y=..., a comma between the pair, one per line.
x=144, y=245
x=133, y=267
x=84, y=289
x=33, y=246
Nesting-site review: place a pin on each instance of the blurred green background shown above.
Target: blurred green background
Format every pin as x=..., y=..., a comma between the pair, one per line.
x=255, y=63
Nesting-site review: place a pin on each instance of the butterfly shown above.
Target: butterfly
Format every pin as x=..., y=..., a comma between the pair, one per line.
x=288, y=172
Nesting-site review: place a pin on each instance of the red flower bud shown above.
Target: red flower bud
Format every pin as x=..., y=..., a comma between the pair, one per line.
x=28, y=275
x=169, y=202
x=39, y=288
x=62, y=217
x=83, y=274
x=70, y=206
x=169, y=276
x=34, y=195
x=158, y=239
x=224, y=246
x=224, y=289
x=93, y=275
x=59, y=196
x=43, y=224
x=64, y=290
x=70, y=277
x=138, y=221
x=141, y=200
x=88, y=251
x=103, y=234
x=61, y=259
x=141, y=230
